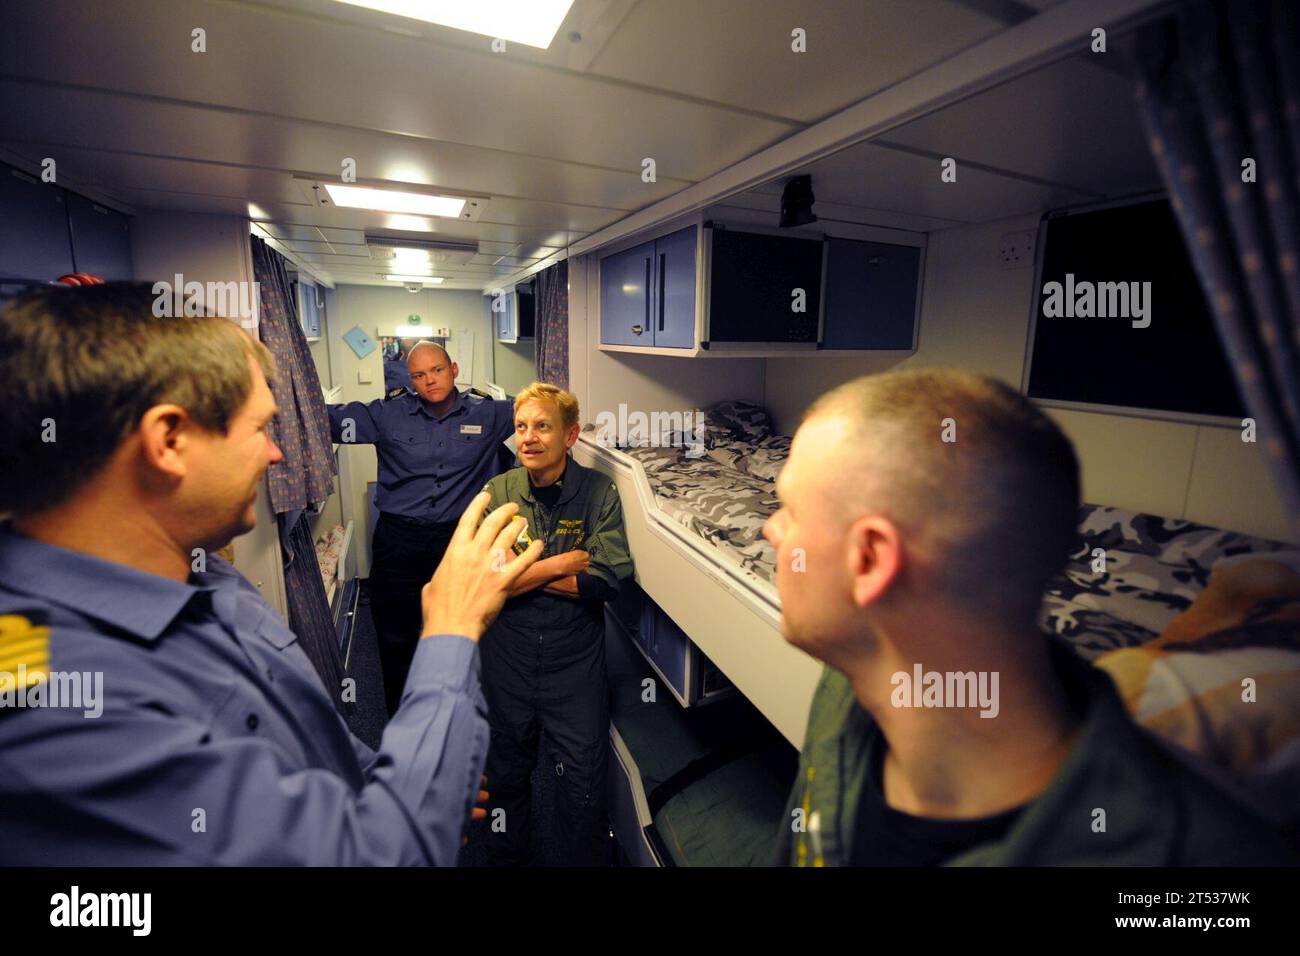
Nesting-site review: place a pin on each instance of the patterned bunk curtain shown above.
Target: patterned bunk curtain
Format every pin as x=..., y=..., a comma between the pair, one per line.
x=552, y=330
x=301, y=429
x=309, y=610
x=1219, y=93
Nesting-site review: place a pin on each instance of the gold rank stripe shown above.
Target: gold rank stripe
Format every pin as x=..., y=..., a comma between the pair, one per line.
x=22, y=644
x=31, y=660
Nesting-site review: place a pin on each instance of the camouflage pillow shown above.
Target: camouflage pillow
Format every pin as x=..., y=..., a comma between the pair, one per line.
x=768, y=458
x=736, y=421
x=729, y=454
x=1189, y=547
x=1131, y=573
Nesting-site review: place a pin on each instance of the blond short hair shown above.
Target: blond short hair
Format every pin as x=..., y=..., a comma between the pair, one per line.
x=565, y=402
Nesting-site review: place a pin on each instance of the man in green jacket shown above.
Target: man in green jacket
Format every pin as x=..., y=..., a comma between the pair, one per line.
x=922, y=513
x=544, y=658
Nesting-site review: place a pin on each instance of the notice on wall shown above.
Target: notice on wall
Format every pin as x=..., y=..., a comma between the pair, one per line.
x=360, y=343
x=461, y=348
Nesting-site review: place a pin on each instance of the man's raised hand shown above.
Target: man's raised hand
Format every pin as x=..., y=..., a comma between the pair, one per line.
x=471, y=584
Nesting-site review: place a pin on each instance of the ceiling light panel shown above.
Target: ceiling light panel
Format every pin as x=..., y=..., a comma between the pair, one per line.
x=531, y=22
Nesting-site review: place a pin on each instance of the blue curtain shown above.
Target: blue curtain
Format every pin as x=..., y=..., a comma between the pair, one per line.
x=552, y=328
x=1219, y=93
x=301, y=428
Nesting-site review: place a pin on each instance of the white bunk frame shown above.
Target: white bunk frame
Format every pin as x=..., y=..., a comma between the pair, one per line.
x=730, y=613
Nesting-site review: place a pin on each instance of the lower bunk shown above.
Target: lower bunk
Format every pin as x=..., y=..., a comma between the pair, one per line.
x=690, y=786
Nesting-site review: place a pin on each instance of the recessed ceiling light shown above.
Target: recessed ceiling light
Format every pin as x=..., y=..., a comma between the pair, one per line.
x=413, y=256
x=393, y=277
x=407, y=223
x=393, y=200
x=531, y=22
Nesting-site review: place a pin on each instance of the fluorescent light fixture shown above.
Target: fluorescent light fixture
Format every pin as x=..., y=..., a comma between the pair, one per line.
x=531, y=22
x=407, y=223
x=392, y=200
x=394, y=277
x=403, y=244
x=413, y=256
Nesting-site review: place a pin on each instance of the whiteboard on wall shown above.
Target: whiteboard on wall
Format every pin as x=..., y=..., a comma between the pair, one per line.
x=461, y=347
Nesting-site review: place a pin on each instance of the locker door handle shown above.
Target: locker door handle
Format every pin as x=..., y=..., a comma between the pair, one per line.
x=647, y=291
x=661, y=290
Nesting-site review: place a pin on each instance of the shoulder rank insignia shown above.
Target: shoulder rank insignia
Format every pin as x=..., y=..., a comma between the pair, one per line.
x=396, y=393
x=24, y=652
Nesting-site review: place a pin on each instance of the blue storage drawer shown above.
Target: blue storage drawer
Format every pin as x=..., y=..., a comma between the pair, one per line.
x=673, y=296
x=871, y=290
x=626, y=281
x=647, y=293
x=667, y=647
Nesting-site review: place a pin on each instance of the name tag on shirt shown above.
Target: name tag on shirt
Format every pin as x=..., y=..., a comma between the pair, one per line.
x=471, y=429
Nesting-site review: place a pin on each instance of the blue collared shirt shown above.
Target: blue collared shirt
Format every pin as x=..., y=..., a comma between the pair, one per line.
x=429, y=468
x=217, y=743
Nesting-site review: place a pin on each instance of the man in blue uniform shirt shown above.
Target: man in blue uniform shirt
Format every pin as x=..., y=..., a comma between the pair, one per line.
x=436, y=447
x=213, y=741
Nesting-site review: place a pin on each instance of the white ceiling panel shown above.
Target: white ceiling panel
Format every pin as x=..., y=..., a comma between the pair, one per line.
x=497, y=248
x=1073, y=122
x=146, y=130
x=873, y=177
x=266, y=63
x=739, y=51
x=287, y=232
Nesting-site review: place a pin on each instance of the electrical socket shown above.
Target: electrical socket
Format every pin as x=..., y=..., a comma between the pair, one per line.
x=1016, y=249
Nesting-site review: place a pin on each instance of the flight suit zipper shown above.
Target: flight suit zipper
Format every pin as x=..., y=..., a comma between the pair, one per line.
x=544, y=513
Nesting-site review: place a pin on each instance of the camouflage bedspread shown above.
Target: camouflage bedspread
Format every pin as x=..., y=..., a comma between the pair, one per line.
x=716, y=497
x=1153, y=567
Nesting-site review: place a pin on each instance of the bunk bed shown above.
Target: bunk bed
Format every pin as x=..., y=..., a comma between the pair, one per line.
x=1127, y=578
